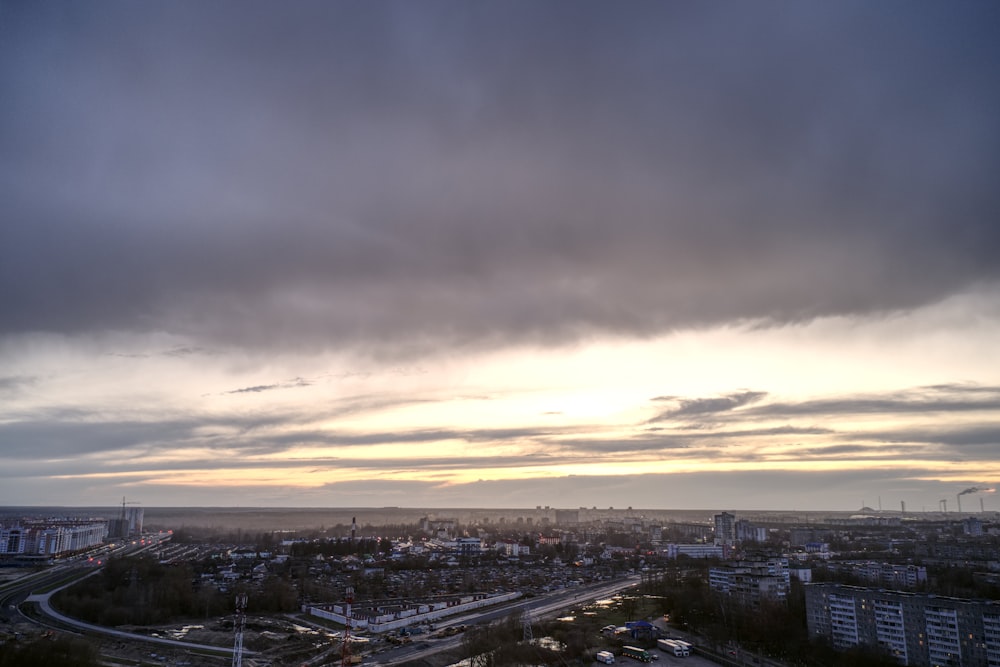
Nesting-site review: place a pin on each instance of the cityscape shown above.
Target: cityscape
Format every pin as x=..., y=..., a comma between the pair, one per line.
x=436, y=333
x=431, y=588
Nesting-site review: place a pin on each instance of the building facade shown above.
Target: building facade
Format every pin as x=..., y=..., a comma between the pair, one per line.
x=695, y=551
x=725, y=529
x=747, y=532
x=752, y=582
x=917, y=629
x=51, y=538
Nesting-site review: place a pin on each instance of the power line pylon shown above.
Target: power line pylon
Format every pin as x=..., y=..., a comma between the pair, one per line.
x=345, y=649
x=239, y=623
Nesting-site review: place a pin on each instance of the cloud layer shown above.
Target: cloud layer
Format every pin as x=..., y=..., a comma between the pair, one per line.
x=953, y=439
x=403, y=178
x=355, y=249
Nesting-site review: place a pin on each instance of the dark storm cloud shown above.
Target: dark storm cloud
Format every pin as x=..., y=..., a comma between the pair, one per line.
x=946, y=399
x=57, y=439
x=970, y=442
x=69, y=436
x=256, y=389
x=744, y=408
x=761, y=432
x=862, y=451
x=417, y=174
x=176, y=352
x=696, y=407
x=427, y=466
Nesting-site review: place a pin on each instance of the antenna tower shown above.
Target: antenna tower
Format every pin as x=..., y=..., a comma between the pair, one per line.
x=239, y=623
x=526, y=626
x=345, y=650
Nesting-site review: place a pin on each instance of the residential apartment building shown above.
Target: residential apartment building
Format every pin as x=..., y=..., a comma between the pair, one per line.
x=512, y=549
x=883, y=575
x=891, y=575
x=725, y=529
x=747, y=532
x=972, y=527
x=917, y=629
x=469, y=546
x=752, y=582
x=52, y=538
x=13, y=540
x=695, y=551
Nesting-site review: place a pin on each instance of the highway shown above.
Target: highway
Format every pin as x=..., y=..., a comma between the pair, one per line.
x=12, y=595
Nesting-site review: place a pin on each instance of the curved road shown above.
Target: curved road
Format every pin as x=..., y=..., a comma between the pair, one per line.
x=538, y=607
x=18, y=592
x=44, y=602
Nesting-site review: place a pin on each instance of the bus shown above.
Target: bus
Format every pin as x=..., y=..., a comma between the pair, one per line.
x=636, y=653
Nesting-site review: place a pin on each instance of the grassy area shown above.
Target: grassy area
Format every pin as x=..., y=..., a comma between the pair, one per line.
x=621, y=610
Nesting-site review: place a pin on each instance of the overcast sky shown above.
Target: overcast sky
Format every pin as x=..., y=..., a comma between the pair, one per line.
x=500, y=254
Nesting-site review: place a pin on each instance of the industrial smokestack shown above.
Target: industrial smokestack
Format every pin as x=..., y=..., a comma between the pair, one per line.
x=354, y=528
x=973, y=489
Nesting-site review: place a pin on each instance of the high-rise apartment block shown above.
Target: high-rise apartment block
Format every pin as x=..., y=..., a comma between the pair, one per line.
x=918, y=629
x=51, y=537
x=725, y=529
x=128, y=525
x=747, y=532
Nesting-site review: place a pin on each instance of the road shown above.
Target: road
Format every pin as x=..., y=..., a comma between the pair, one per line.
x=552, y=604
x=44, y=602
x=15, y=593
x=540, y=607
x=67, y=574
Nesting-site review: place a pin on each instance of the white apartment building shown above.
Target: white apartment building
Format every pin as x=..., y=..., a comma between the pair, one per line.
x=917, y=629
x=843, y=621
x=890, y=628
x=52, y=538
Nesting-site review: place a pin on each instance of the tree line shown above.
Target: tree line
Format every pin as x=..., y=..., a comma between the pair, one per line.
x=142, y=591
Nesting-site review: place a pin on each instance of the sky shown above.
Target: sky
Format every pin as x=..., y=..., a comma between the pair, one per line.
x=500, y=254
